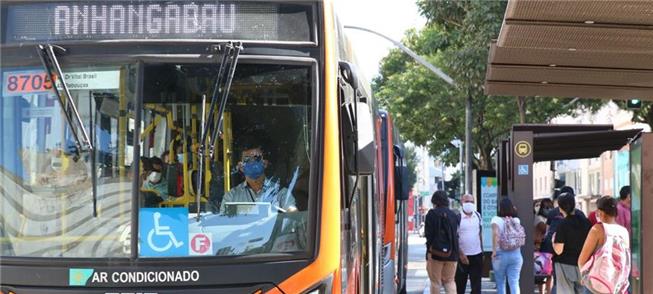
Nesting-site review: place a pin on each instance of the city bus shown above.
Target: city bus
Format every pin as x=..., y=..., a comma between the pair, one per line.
x=193, y=147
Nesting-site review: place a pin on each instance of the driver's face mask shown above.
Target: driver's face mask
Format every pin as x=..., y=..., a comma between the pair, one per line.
x=253, y=166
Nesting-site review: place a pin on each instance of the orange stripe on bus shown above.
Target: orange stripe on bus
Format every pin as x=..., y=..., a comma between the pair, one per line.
x=328, y=259
x=390, y=186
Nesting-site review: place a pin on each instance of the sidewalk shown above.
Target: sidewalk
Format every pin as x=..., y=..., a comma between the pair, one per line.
x=417, y=280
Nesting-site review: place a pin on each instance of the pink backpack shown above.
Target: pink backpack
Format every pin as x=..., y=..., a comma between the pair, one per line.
x=543, y=264
x=608, y=269
x=513, y=235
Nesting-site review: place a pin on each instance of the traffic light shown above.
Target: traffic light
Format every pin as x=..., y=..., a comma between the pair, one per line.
x=634, y=103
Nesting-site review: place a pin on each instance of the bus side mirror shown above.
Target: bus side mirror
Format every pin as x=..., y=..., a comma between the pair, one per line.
x=366, y=147
x=401, y=175
x=349, y=74
x=401, y=183
x=358, y=123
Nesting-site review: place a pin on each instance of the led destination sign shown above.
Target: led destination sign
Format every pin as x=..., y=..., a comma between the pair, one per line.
x=76, y=20
x=95, y=20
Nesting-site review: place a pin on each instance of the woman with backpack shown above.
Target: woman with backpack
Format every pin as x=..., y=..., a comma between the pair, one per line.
x=605, y=258
x=507, y=238
x=441, y=230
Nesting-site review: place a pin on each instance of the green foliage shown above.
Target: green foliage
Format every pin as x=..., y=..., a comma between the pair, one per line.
x=431, y=113
x=452, y=187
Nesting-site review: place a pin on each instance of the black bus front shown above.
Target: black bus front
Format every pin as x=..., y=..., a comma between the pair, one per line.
x=155, y=146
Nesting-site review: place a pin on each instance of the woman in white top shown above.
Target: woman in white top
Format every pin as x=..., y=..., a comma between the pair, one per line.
x=505, y=263
x=606, y=213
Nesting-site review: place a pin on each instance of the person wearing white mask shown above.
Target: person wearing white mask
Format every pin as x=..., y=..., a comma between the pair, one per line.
x=155, y=180
x=471, y=252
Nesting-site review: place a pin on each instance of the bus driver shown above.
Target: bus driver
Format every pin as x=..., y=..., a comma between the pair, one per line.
x=257, y=187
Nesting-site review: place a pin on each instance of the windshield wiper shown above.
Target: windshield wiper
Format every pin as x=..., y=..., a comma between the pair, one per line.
x=51, y=65
x=228, y=59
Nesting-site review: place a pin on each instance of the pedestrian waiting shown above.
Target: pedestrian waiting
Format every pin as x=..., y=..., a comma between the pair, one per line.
x=543, y=257
x=605, y=258
x=623, y=209
x=470, y=264
x=554, y=218
x=568, y=242
x=441, y=230
x=508, y=236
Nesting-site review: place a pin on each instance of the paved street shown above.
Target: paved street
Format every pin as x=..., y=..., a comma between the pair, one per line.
x=417, y=277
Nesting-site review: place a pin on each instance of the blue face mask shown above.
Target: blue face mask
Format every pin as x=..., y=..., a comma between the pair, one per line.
x=253, y=169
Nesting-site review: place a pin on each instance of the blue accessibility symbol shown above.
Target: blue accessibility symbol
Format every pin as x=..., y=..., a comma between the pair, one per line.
x=522, y=170
x=163, y=232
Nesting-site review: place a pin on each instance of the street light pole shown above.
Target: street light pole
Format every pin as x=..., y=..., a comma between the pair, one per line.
x=462, y=171
x=468, y=145
x=450, y=81
x=412, y=54
x=442, y=171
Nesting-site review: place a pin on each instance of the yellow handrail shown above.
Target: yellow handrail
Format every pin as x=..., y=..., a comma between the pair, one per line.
x=227, y=139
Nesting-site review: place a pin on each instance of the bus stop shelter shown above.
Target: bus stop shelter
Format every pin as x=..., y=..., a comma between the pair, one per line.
x=528, y=144
x=575, y=48
x=581, y=49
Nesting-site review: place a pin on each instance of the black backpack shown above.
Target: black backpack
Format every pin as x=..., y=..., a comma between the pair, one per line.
x=442, y=242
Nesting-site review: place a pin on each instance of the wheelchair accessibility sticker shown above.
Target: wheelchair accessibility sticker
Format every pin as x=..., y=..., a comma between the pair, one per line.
x=163, y=232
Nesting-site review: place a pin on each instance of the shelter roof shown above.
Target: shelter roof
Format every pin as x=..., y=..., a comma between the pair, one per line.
x=574, y=48
x=561, y=142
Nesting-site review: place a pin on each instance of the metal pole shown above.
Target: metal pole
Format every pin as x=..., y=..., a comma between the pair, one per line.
x=462, y=171
x=412, y=54
x=449, y=80
x=468, y=145
x=442, y=170
x=202, y=154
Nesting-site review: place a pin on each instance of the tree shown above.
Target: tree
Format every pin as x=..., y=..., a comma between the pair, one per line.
x=430, y=112
x=452, y=187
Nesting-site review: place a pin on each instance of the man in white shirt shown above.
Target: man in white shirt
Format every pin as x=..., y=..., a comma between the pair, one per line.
x=471, y=252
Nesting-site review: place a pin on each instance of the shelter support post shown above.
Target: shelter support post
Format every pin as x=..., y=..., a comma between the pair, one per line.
x=645, y=180
x=503, y=167
x=521, y=155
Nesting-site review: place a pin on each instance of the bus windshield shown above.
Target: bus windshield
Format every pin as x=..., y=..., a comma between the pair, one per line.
x=47, y=187
x=252, y=187
x=250, y=195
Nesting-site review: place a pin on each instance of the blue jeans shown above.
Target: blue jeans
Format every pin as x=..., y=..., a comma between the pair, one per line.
x=507, y=265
